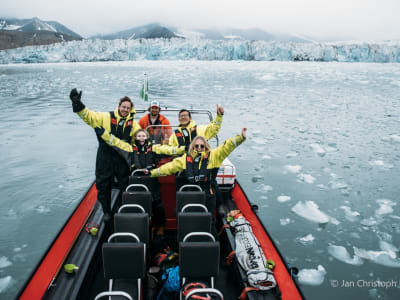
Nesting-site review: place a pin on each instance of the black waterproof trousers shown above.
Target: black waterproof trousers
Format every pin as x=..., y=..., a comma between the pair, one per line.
x=109, y=165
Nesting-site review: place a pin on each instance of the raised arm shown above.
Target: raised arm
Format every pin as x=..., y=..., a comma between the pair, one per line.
x=213, y=127
x=222, y=152
x=175, y=166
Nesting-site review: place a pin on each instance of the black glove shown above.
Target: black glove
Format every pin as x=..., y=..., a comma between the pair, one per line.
x=99, y=131
x=75, y=97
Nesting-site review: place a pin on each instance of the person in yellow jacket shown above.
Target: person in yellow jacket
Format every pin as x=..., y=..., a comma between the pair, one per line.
x=201, y=164
x=188, y=129
x=109, y=164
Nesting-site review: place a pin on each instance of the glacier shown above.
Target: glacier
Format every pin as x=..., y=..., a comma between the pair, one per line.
x=198, y=49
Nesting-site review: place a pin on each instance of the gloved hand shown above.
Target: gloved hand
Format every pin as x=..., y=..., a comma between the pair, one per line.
x=99, y=131
x=75, y=97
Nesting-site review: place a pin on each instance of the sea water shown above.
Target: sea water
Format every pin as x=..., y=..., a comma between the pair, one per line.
x=321, y=160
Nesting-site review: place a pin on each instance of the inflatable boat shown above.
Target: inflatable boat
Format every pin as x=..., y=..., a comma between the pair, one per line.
x=90, y=260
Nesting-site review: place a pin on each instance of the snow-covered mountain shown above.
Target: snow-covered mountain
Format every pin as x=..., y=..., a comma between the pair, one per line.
x=16, y=33
x=149, y=31
x=201, y=49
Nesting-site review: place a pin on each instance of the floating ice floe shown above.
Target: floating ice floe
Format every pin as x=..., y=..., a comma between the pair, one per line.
x=4, y=262
x=393, y=138
x=391, y=249
x=310, y=211
x=306, y=240
x=340, y=253
x=264, y=188
x=386, y=206
x=381, y=164
x=266, y=156
x=293, y=169
x=283, y=198
x=350, y=215
x=285, y=221
x=317, y=148
x=291, y=154
x=42, y=210
x=384, y=258
x=306, y=178
x=312, y=276
x=369, y=222
x=5, y=282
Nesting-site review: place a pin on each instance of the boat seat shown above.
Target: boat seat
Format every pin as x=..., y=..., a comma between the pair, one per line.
x=193, y=222
x=150, y=182
x=198, y=261
x=136, y=223
x=189, y=197
x=143, y=198
x=124, y=267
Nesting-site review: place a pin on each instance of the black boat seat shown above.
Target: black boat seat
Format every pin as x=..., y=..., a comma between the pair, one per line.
x=193, y=222
x=136, y=223
x=198, y=261
x=151, y=183
x=189, y=197
x=143, y=198
x=124, y=265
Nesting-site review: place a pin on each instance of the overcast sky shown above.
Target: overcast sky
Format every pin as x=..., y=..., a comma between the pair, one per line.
x=359, y=19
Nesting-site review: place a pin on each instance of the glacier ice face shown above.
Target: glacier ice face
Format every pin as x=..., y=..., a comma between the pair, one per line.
x=180, y=49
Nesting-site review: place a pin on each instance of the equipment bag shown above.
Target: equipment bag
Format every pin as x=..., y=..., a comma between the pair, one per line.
x=250, y=255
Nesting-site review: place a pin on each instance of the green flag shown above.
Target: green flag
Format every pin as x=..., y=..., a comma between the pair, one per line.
x=144, y=91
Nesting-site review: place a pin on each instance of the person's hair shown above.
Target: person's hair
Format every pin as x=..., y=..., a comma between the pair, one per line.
x=126, y=99
x=207, y=145
x=142, y=130
x=183, y=110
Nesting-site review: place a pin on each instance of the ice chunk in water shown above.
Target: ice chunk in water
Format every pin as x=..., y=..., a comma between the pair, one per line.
x=5, y=282
x=306, y=240
x=306, y=178
x=310, y=211
x=389, y=248
x=318, y=149
x=391, y=138
x=293, y=169
x=312, y=276
x=340, y=253
x=384, y=258
x=386, y=206
x=284, y=222
x=350, y=215
x=4, y=262
x=283, y=198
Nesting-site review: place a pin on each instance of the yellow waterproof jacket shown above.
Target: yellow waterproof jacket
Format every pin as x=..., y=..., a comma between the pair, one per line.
x=206, y=131
x=113, y=141
x=215, y=159
x=103, y=119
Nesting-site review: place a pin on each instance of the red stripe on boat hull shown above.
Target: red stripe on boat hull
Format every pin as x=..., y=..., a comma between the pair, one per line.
x=51, y=263
x=288, y=288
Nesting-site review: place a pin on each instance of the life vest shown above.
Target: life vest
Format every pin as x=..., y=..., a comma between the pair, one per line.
x=119, y=131
x=193, y=173
x=143, y=157
x=185, y=137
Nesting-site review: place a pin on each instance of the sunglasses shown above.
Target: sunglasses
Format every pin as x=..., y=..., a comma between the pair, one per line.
x=199, y=146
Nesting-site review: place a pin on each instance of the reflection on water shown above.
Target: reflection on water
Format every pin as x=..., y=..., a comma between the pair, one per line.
x=323, y=141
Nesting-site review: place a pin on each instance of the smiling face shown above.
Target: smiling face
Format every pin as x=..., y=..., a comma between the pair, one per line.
x=141, y=137
x=184, y=118
x=199, y=146
x=124, y=109
x=154, y=111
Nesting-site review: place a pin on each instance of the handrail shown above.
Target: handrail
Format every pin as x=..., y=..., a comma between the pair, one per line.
x=137, y=170
x=204, y=290
x=136, y=185
x=125, y=234
x=131, y=205
x=200, y=233
x=114, y=293
x=194, y=205
x=190, y=186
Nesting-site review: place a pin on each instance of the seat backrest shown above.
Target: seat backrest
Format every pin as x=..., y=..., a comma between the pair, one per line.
x=150, y=182
x=193, y=222
x=189, y=197
x=143, y=198
x=137, y=223
x=124, y=260
x=199, y=259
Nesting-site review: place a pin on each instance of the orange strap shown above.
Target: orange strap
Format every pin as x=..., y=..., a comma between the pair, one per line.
x=229, y=258
x=245, y=291
x=222, y=229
